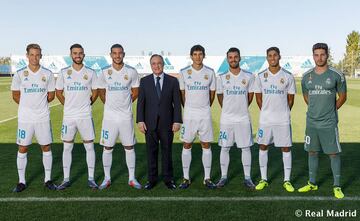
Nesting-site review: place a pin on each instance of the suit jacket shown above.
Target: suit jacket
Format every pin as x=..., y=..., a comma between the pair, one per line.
x=159, y=113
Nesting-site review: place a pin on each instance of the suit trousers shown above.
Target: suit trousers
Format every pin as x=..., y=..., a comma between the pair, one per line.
x=164, y=138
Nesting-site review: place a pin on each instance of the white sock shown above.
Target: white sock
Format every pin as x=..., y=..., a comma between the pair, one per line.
x=186, y=161
x=90, y=159
x=130, y=162
x=47, y=162
x=67, y=158
x=263, y=160
x=21, y=162
x=287, y=165
x=224, y=161
x=246, y=161
x=107, y=162
x=206, y=160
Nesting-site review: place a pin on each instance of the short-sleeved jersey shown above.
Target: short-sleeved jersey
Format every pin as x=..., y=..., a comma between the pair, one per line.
x=197, y=85
x=34, y=88
x=77, y=86
x=275, y=89
x=235, y=90
x=118, y=84
x=321, y=90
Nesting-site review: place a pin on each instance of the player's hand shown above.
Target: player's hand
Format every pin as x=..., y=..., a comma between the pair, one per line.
x=176, y=127
x=142, y=127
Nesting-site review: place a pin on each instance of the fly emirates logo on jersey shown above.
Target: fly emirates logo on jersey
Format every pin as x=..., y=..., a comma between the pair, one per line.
x=117, y=86
x=236, y=90
x=319, y=90
x=273, y=90
x=197, y=86
x=35, y=88
x=76, y=86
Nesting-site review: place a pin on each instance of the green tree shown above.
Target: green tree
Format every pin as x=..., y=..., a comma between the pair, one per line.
x=352, y=56
x=331, y=59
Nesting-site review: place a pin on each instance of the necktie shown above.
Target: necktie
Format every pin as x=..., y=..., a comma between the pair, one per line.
x=158, y=88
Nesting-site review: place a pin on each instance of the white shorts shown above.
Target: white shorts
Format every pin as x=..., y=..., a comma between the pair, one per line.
x=279, y=135
x=41, y=130
x=71, y=126
x=111, y=130
x=192, y=127
x=239, y=133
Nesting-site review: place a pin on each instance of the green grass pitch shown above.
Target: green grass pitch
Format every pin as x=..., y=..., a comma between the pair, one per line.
x=170, y=208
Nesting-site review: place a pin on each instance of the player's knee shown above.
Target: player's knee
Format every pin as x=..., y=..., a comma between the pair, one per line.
x=332, y=154
x=263, y=147
x=46, y=148
x=68, y=146
x=313, y=153
x=285, y=149
x=128, y=147
x=205, y=145
x=23, y=149
x=225, y=149
x=187, y=145
x=89, y=146
x=245, y=149
x=108, y=148
x=88, y=141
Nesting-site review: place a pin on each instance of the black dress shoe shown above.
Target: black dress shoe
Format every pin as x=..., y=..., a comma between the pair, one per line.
x=170, y=185
x=149, y=185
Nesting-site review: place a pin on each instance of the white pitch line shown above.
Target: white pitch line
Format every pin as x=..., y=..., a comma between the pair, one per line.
x=167, y=199
x=12, y=118
x=8, y=119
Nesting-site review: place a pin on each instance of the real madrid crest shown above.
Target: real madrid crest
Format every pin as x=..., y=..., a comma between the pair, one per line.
x=110, y=72
x=206, y=77
x=26, y=73
x=126, y=77
x=310, y=79
x=43, y=78
x=69, y=72
x=227, y=77
x=282, y=81
x=266, y=75
x=85, y=77
x=189, y=72
x=328, y=81
x=243, y=81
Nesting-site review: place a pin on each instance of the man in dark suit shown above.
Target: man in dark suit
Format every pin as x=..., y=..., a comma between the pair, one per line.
x=159, y=117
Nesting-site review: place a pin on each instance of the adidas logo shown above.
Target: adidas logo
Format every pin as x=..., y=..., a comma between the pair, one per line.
x=287, y=66
x=245, y=66
x=21, y=64
x=307, y=64
x=167, y=61
x=52, y=66
x=167, y=64
x=95, y=66
x=139, y=66
x=223, y=67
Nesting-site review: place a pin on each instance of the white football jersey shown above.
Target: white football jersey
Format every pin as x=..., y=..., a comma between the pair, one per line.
x=275, y=89
x=34, y=88
x=197, y=86
x=118, y=84
x=235, y=90
x=77, y=86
